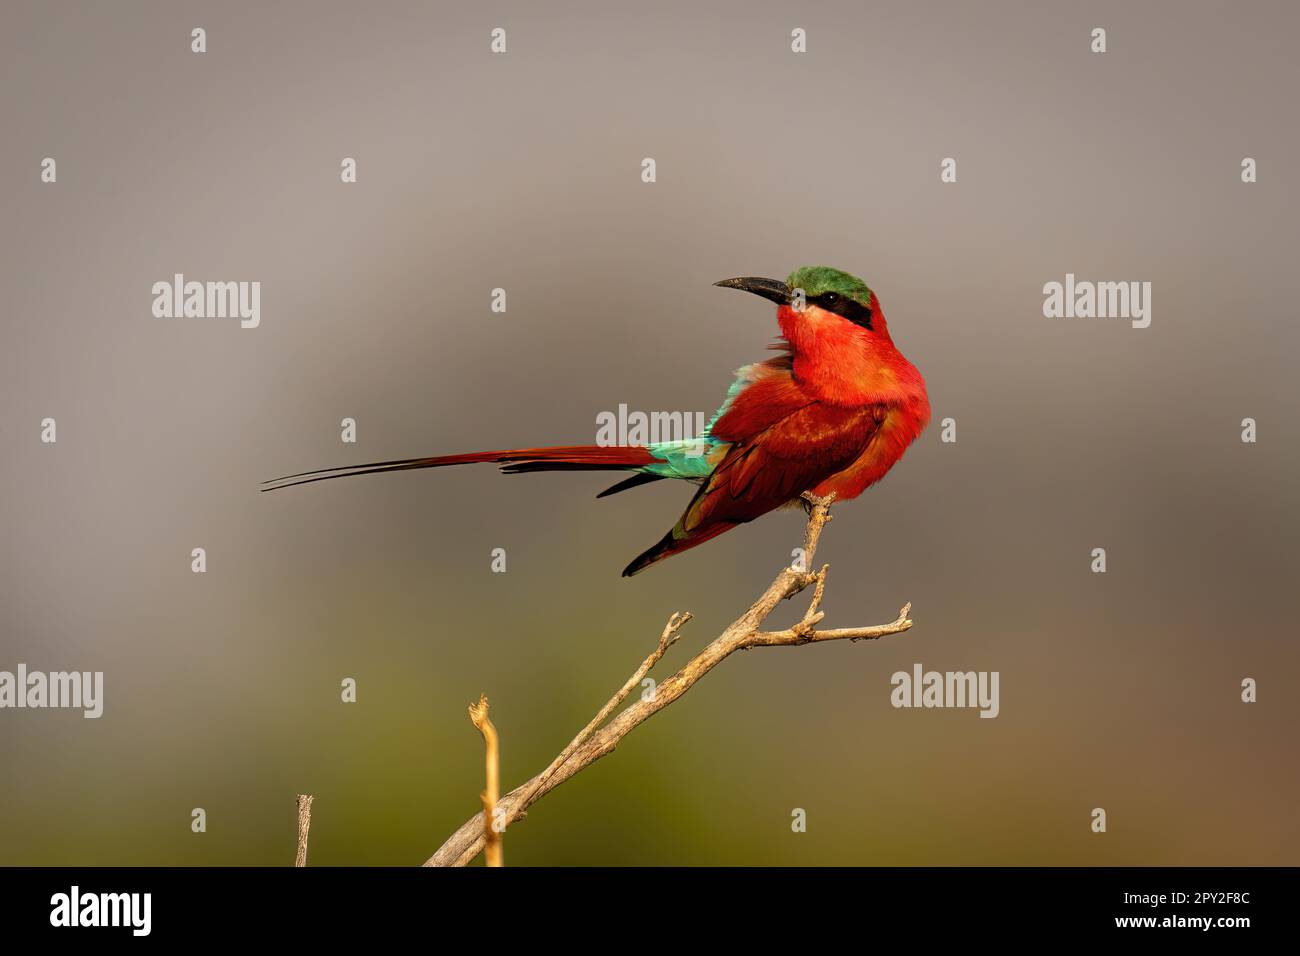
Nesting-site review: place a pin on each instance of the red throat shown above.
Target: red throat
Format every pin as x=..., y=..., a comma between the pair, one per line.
x=846, y=364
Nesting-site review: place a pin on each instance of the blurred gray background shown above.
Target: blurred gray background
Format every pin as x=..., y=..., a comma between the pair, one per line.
x=522, y=171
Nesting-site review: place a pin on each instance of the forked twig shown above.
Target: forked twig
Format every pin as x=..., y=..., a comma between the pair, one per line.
x=599, y=738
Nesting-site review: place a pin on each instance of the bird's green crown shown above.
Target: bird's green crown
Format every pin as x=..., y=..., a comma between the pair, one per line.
x=816, y=280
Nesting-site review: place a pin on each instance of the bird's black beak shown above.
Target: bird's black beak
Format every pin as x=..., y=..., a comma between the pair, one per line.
x=772, y=289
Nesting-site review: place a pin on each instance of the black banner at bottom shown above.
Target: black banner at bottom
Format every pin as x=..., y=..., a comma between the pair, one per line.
x=92, y=905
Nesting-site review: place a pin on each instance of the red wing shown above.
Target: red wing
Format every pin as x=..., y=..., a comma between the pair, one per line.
x=781, y=462
x=797, y=444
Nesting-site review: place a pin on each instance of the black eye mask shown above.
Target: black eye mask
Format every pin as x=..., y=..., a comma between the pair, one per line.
x=842, y=305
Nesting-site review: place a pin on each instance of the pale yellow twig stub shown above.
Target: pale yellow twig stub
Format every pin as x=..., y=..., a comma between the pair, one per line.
x=304, y=825
x=478, y=715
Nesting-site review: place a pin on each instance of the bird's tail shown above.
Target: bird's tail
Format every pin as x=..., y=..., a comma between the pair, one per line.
x=671, y=544
x=563, y=458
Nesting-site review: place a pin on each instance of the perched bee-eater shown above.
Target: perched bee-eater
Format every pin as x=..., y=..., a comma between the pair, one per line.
x=832, y=412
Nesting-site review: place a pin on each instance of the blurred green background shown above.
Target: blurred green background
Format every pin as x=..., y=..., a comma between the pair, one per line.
x=522, y=171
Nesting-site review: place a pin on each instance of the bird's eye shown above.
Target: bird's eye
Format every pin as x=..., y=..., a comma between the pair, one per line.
x=831, y=298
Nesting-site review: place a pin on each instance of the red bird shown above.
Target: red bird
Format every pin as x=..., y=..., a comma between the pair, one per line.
x=832, y=413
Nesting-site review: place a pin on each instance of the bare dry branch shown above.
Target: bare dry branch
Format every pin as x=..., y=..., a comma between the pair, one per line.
x=595, y=740
x=304, y=825
x=478, y=715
